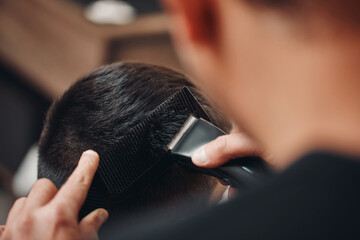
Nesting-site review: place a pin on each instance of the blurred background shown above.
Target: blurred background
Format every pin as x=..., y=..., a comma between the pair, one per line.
x=45, y=45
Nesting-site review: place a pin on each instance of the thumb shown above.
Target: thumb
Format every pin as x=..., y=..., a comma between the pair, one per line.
x=225, y=148
x=94, y=220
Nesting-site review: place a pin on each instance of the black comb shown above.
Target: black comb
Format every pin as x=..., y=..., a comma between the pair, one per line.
x=133, y=161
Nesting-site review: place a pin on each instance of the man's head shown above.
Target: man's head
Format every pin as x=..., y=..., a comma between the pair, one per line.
x=104, y=106
x=274, y=66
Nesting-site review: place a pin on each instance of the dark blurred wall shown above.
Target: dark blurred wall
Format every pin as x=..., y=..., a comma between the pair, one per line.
x=52, y=44
x=22, y=112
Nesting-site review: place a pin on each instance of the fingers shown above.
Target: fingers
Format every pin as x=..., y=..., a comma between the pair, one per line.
x=94, y=220
x=223, y=149
x=41, y=193
x=74, y=191
x=16, y=209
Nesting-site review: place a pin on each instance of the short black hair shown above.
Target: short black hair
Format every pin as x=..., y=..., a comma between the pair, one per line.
x=104, y=106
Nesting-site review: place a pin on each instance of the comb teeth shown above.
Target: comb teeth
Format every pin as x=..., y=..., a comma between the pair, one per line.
x=180, y=101
x=133, y=162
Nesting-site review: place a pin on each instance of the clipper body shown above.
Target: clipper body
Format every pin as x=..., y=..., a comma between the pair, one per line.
x=239, y=173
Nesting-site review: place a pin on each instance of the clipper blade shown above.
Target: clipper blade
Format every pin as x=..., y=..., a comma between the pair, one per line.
x=194, y=133
x=187, y=125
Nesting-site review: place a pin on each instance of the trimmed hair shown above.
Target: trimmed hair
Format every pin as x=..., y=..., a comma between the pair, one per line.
x=104, y=106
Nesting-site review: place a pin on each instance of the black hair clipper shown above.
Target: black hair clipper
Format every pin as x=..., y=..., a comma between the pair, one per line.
x=239, y=173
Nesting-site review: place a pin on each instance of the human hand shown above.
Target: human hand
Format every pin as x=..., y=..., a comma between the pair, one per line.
x=224, y=148
x=51, y=214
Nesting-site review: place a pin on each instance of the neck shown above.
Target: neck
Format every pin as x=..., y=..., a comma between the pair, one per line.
x=340, y=135
x=328, y=113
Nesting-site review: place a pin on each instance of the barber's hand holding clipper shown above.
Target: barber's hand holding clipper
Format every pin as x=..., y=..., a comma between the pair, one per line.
x=51, y=214
x=227, y=147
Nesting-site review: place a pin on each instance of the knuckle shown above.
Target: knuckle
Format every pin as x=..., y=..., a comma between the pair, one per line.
x=96, y=221
x=243, y=139
x=20, y=201
x=25, y=222
x=56, y=216
x=45, y=184
x=42, y=181
x=221, y=146
x=59, y=210
x=82, y=183
x=82, y=180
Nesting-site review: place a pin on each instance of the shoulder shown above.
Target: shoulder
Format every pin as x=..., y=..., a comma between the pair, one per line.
x=316, y=198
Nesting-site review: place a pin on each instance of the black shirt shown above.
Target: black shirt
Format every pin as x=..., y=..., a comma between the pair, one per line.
x=316, y=198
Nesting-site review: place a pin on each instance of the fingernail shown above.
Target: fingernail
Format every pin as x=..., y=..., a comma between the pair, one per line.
x=199, y=156
x=103, y=216
x=91, y=156
x=91, y=153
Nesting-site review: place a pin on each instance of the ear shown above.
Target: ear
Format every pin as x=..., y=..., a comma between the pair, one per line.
x=194, y=21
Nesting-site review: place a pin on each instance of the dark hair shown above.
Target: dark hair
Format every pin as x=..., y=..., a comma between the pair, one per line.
x=102, y=107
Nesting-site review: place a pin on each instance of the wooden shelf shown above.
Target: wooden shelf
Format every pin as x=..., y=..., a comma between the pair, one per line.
x=52, y=44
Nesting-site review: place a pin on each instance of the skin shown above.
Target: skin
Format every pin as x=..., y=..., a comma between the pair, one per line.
x=291, y=84
x=51, y=214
